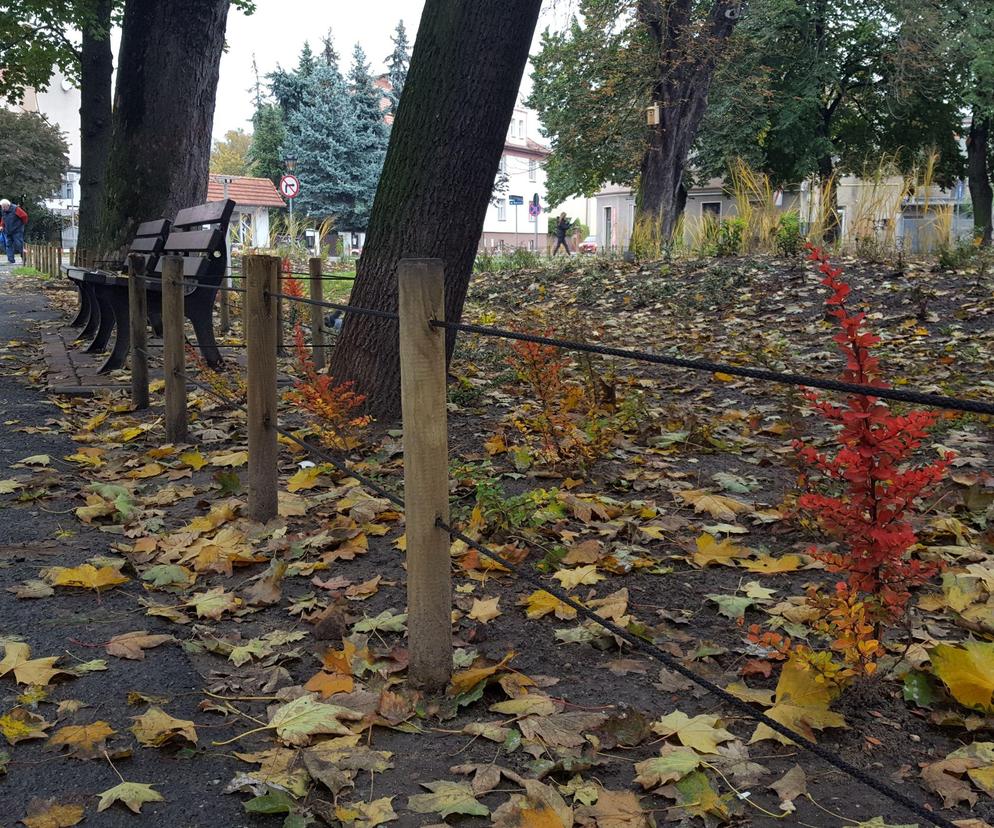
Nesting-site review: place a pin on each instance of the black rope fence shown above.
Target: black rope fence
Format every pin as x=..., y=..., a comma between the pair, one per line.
x=646, y=647
x=640, y=644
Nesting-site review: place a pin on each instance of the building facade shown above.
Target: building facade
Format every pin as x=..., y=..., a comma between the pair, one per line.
x=253, y=197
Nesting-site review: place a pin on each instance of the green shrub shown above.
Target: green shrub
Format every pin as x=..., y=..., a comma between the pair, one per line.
x=729, y=241
x=789, y=239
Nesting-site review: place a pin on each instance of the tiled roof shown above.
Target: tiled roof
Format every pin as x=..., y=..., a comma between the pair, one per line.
x=246, y=191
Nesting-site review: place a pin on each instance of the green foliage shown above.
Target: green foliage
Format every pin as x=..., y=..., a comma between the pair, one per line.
x=269, y=133
x=231, y=156
x=289, y=87
x=729, y=241
x=35, y=157
x=807, y=82
x=370, y=138
x=518, y=259
x=591, y=82
x=790, y=239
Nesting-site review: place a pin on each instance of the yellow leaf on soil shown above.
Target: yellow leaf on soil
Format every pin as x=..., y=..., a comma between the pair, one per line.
x=571, y=578
x=967, y=671
x=466, y=680
x=20, y=725
x=304, y=479
x=133, y=644
x=702, y=733
x=768, y=565
x=194, y=459
x=710, y=551
x=86, y=576
x=84, y=741
x=718, y=506
x=15, y=653
x=485, y=610
x=800, y=703
x=231, y=459
x=541, y=603
x=146, y=471
x=155, y=727
x=52, y=814
x=327, y=684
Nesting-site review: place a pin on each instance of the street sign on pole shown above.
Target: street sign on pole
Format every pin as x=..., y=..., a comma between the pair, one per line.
x=515, y=201
x=290, y=186
x=534, y=210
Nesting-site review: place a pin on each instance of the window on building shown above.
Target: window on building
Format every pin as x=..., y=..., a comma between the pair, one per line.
x=503, y=163
x=521, y=127
x=67, y=189
x=532, y=170
x=501, y=209
x=711, y=208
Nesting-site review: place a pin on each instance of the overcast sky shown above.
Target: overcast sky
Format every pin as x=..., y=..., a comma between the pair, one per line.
x=276, y=32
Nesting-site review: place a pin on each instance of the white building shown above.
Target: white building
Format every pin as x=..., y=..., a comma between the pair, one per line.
x=253, y=198
x=59, y=104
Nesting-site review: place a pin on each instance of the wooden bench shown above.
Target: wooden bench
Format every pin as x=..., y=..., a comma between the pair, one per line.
x=103, y=294
x=198, y=236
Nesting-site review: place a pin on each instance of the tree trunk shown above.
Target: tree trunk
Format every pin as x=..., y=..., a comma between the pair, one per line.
x=688, y=55
x=163, y=112
x=432, y=198
x=97, y=67
x=979, y=176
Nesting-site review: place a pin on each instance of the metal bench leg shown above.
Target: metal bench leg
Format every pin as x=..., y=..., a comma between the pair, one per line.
x=93, y=316
x=117, y=297
x=201, y=316
x=106, y=326
x=83, y=314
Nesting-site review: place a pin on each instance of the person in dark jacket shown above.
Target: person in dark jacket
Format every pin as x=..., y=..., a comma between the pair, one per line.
x=563, y=226
x=13, y=220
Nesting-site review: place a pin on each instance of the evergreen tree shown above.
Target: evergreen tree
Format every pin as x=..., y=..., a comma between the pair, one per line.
x=328, y=52
x=322, y=136
x=269, y=133
x=397, y=65
x=289, y=87
x=370, y=138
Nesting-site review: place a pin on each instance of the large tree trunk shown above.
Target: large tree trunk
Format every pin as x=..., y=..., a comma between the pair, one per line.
x=979, y=176
x=163, y=112
x=688, y=55
x=432, y=198
x=97, y=67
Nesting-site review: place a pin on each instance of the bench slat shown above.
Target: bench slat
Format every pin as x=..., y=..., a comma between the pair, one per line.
x=152, y=244
x=152, y=228
x=193, y=267
x=214, y=212
x=194, y=241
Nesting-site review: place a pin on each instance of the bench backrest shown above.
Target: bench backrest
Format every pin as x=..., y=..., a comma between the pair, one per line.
x=198, y=235
x=149, y=241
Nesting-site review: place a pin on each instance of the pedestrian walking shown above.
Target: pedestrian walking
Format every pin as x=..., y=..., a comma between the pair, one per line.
x=563, y=226
x=13, y=221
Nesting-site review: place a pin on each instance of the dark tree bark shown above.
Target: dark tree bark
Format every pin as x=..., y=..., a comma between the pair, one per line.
x=96, y=69
x=688, y=55
x=432, y=198
x=163, y=112
x=979, y=175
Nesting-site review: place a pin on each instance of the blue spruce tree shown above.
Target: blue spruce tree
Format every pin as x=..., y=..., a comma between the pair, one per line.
x=370, y=138
x=322, y=136
x=397, y=66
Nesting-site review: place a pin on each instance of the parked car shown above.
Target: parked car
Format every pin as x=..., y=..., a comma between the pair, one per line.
x=589, y=245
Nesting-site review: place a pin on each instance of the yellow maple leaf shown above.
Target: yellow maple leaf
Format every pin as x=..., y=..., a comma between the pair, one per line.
x=86, y=576
x=718, y=506
x=230, y=459
x=466, y=680
x=218, y=515
x=146, y=471
x=155, y=727
x=570, y=578
x=801, y=703
x=710, y=551
x=84, y=741
x=14, y=653
x=304, y=479
x=194, y=459
x=768, y=565
x=967, y=671
x=702, y=733
x=52, y=814
x=541, y=603
x=20, y=725
x=485, y=609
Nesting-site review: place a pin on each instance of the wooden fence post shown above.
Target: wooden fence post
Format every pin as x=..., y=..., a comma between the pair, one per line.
x=260, y=275
x=426, y=471
x=317, y=313
x=138, y=312
x=173, y=343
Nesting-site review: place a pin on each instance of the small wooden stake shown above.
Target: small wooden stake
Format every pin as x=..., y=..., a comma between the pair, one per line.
x=138, y=313
x=173, y=344
x=260, y=275
x=317, y=314
x=426, y=471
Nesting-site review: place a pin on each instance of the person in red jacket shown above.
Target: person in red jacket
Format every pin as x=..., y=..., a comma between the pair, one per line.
x=13, y=220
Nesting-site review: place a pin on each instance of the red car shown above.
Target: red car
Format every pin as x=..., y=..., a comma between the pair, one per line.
x=589, y=245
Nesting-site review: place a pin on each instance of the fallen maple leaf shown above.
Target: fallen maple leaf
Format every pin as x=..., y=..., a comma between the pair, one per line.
x=155, y=728
x=21, y=724
x=801, y=704
x=485, y=609
x=768, y=565
x=50, y=813
x=447, y=798
x=131, y=794
x=87, y=576
x=296, y=722
x=541, y=603
x=700, y=732
x=718, y=506
x=133, y=644
x=725, y=552
x=672, y=764
x=84, y=741
x=967, y=671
